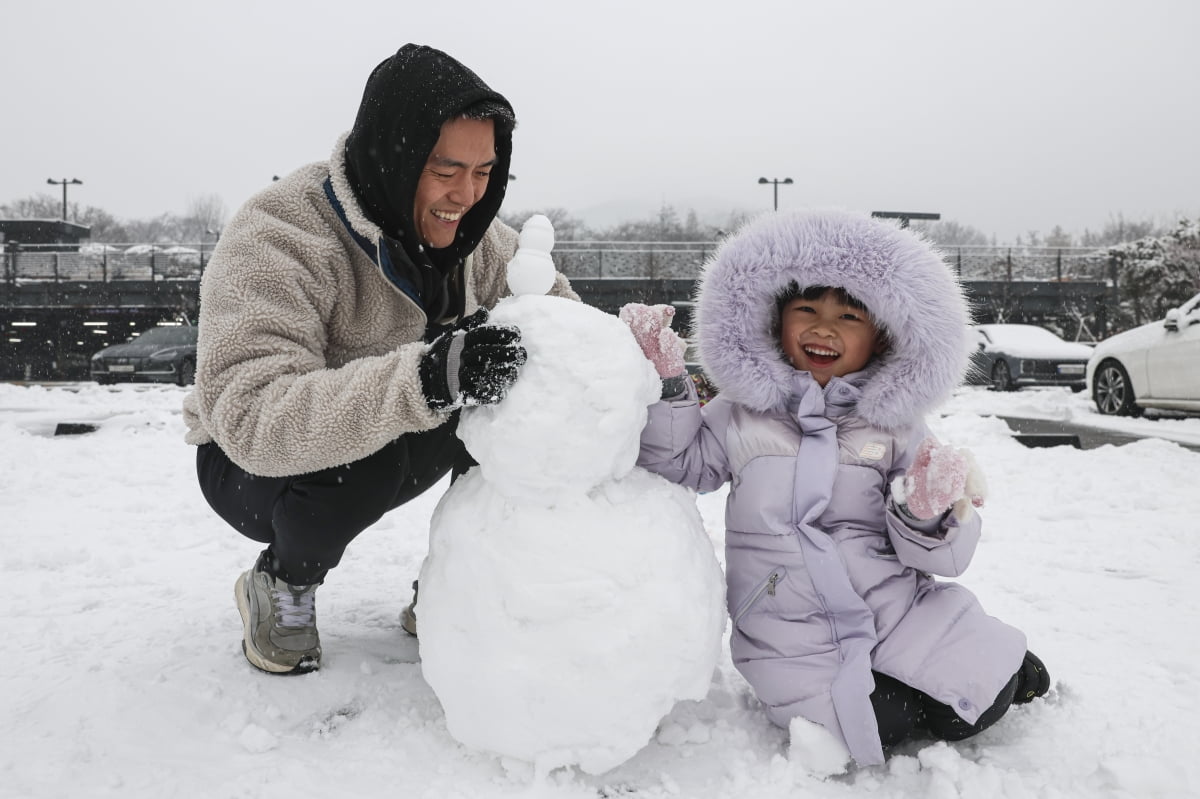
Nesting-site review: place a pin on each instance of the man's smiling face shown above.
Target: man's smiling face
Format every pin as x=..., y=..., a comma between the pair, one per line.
x=455, y=177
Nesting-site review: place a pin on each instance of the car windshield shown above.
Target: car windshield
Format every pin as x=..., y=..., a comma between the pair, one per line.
x=172, y=336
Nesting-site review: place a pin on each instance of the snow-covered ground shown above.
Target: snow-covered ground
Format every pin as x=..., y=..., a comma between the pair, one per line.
x=122, y=675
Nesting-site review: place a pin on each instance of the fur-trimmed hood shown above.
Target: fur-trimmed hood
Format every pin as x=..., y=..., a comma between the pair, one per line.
x=909, y=290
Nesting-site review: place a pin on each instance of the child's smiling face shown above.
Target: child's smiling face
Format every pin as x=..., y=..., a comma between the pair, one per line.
x=828, y=337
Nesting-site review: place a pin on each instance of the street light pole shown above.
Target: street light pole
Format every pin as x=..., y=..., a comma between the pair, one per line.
x=64, y=183
x=776, y=182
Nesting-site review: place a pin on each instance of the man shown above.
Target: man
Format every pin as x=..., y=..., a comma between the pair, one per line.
x=342, y=326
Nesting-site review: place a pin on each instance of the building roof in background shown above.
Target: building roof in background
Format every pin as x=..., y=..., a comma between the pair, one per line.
x=43, y=231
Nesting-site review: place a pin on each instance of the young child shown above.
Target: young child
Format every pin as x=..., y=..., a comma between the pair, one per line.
x=829, y=336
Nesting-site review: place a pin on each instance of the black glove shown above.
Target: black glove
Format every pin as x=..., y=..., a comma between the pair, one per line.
x=474, y=363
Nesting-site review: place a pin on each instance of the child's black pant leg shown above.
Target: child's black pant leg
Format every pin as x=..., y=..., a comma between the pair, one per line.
x=897, y=709
x=942, y=722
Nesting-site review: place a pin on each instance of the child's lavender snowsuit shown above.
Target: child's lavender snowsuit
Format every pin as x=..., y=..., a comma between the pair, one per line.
x=826, y=579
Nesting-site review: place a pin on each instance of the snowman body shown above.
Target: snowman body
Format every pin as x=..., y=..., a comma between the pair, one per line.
x=569, y=598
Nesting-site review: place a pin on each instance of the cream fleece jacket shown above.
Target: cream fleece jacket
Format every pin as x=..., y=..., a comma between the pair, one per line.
x=308, y=354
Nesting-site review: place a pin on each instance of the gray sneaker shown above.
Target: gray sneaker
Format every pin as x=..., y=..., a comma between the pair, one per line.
x=408, y=616
x=280, y=621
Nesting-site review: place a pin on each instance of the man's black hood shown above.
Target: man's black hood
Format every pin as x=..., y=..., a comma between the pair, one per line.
x=407, y=99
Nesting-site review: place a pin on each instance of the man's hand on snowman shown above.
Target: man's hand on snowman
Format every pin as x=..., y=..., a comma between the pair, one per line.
x=940, y=478
x=472, y=364
x=651, y=326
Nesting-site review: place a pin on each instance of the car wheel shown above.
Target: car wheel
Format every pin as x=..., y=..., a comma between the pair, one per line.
x=1112, y=392
x=187, y=373
x=1001, y=377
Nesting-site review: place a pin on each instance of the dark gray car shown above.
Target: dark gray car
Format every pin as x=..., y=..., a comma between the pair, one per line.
x=1009, y=357
x=160, y=355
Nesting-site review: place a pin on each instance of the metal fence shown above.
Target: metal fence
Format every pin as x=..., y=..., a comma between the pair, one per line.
x=632, y=259
x=104, y=262
x=1066, y=289
x=596, y=259
x=577, y=259
x=1023, y=264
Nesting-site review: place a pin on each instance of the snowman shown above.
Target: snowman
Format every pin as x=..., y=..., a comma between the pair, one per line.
x=569, y=598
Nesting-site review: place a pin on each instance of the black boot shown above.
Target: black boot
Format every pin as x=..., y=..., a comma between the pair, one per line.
x=1032, y=680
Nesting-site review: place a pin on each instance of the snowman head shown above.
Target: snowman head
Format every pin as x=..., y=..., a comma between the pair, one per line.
x=531, y=271
x=573, y=419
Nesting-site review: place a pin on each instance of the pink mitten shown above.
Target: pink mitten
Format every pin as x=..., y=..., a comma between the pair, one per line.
x=651, y=326
x=940, y=478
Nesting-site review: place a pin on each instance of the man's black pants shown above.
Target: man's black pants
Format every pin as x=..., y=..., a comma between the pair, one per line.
x=308, y=520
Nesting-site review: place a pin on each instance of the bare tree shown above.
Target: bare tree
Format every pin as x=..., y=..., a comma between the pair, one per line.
x=948, y=233
x=205, y=215
x=566, y=227
x=1118, y=229
x=39, y=206
x=664, y=225
x=162, y=229
x=1059, y=238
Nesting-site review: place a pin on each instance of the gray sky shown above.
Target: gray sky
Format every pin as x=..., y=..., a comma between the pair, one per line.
x=1007, y=116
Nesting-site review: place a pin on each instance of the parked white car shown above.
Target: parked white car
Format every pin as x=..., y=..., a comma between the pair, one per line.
x=1156, y=365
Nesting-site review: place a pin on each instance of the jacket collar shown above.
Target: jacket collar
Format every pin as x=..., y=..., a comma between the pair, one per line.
x=838, y=397
x=379, y=255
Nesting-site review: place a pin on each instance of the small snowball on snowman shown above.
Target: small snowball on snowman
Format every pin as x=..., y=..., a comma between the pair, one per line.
x=569, y=598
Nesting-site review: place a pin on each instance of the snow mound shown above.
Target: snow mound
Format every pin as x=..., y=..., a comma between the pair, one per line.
x=815, y=751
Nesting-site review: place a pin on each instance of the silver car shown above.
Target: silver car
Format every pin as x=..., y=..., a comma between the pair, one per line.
x=1156, y=365
x=1009, y=357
